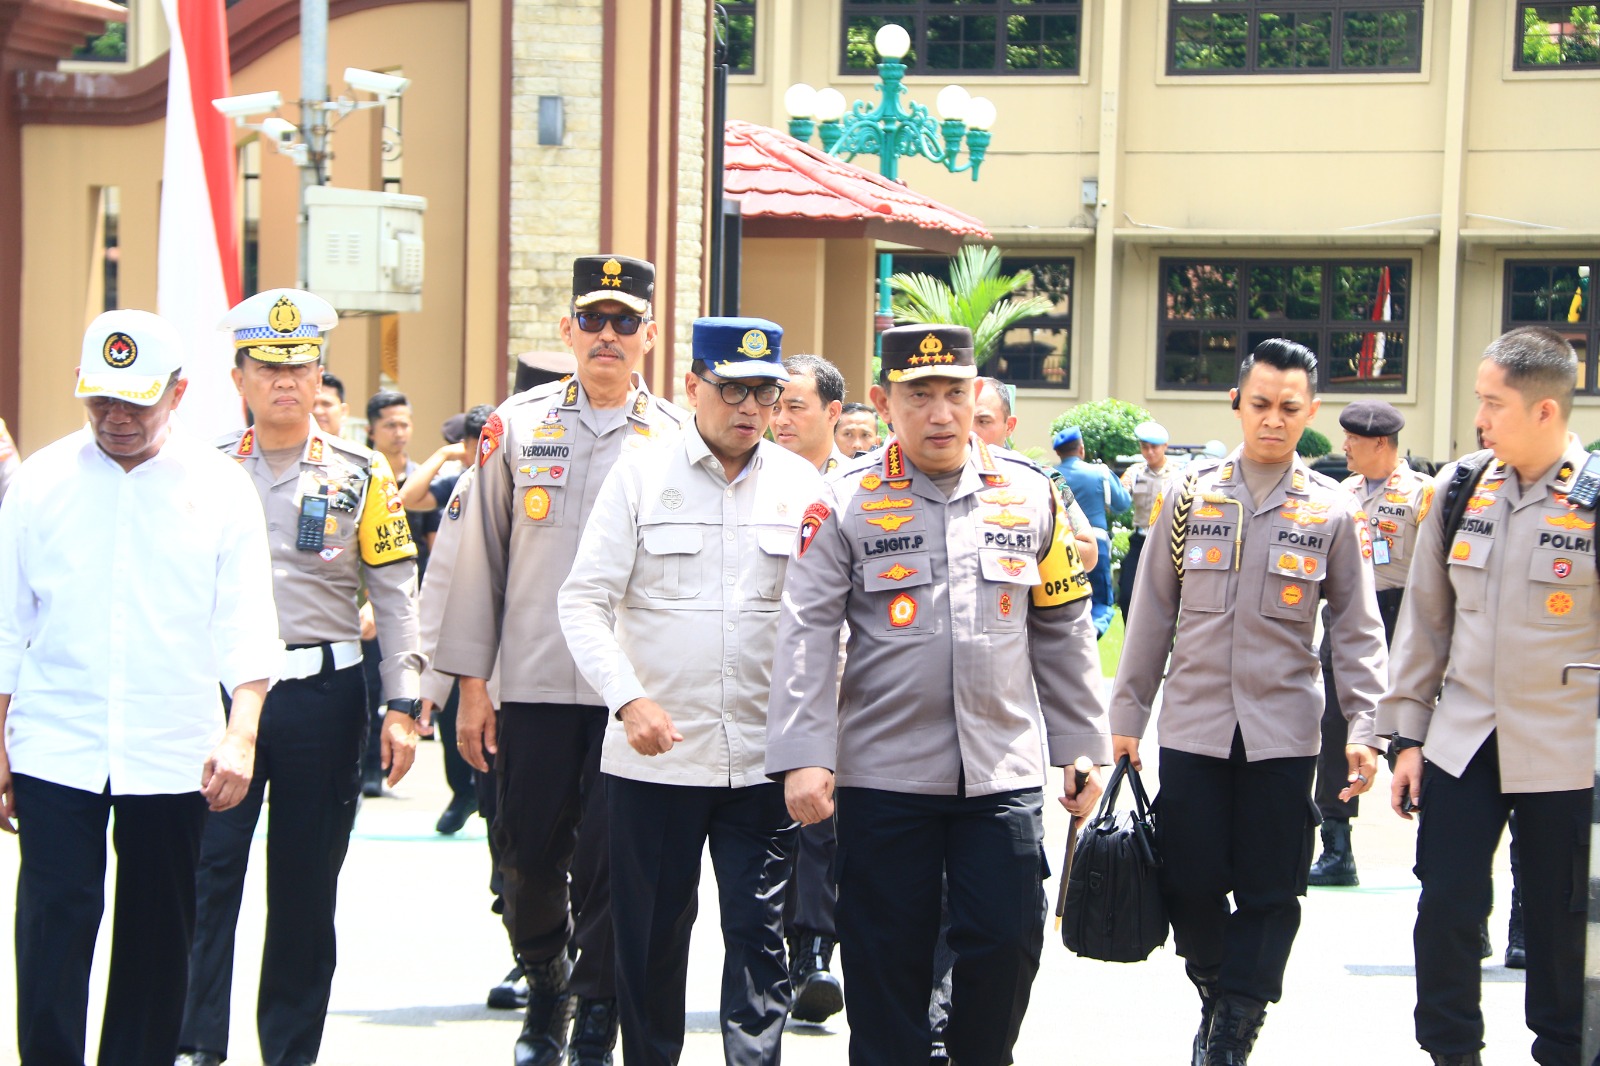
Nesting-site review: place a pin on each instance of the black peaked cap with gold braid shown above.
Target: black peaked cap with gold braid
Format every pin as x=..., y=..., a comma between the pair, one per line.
x=927, y=351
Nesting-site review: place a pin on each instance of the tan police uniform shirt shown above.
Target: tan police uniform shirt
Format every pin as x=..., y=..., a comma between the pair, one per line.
x=1393, y=510
x=674, y=597
x=365, y=541
x=1243, y=614
x=1493, y=620
x=542, y=459
x=1145, y=486
x=965, y=615
x=436, y=586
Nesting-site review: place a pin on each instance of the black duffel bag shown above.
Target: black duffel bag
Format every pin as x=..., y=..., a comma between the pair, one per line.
x=1114, y=910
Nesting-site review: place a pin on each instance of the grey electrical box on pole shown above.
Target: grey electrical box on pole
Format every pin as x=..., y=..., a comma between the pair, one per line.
x=363, y=248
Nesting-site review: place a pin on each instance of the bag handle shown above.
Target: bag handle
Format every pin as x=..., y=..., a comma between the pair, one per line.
x=1108, y=799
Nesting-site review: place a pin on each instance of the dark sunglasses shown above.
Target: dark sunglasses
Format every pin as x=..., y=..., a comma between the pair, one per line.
x=733, y=392
x=625, y=323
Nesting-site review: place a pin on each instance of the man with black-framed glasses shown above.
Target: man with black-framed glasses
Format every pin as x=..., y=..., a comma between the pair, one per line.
x=671, y=612
x=541, y=459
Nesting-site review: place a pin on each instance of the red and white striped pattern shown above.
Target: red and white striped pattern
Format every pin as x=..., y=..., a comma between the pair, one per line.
x=198, y=260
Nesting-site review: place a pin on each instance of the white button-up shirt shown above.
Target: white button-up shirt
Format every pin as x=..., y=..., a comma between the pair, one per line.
x=125, y=598
x=674, y=596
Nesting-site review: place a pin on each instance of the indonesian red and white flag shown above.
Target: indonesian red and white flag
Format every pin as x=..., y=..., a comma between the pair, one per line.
x=198, y=259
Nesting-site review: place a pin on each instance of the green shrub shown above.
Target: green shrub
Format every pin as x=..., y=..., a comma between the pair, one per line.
x=1107, y=427
x=1593, y=446
x=1313, y=445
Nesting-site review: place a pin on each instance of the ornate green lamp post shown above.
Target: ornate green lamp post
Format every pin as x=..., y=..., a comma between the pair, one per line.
x=891, y=130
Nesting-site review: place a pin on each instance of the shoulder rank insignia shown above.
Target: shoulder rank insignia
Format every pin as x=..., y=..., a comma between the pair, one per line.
x=247, y=444
x=570, y=397
x=1298, y=482
x=894, y=461
x=314, y=450
x=641, y=404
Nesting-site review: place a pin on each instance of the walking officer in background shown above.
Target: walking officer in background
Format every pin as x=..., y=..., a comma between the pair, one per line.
x=542, y=459
x=1249, y=547
x=134, y=577
x=1096, y=490
x=804, y=422
x=1395, y=498
x=1147, y=480
x=671, y=612
x=1497, y=606
x=968, y=611
x=334, y=525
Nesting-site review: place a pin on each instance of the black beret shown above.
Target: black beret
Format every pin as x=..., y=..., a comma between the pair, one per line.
x=1372, y=418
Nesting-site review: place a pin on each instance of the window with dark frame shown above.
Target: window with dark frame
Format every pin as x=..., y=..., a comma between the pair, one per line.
x=1558, y=37
x=1036, y=353
x=967, y=36
x=741, y=31
x=1353, y=313
x=1293, y=36
x=1555, y=293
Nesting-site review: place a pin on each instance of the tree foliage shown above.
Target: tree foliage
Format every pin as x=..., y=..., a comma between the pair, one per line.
x=1313, y=445
x=978, y=297
x=1107, y=427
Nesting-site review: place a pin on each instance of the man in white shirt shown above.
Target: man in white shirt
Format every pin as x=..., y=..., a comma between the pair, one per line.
x=134, y=576
x=671, y=613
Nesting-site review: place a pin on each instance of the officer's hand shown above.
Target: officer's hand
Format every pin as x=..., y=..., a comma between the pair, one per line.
x=226, y=777
x=8, y=796
x=1080, y=801
x=1363, y=760
x=399, y=745
x=425, y=723
x=1088, y=549
x=809, y=794
x=1406, y=782
x=1128, y=746
x=650, y=728
x=369, y=625
x=475, y=724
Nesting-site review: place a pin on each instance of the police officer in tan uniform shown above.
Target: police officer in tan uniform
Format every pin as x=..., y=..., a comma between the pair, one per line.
x=1483, y=723
x=1249, y=548
x=969, y=612
x=335, y=523
x=541, y=460
x=1395, y=498
x=1147, y=480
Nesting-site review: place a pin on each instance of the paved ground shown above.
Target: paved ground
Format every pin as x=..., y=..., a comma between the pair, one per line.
x=419, y=949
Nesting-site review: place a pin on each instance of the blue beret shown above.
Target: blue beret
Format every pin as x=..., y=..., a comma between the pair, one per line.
x=1065, y=437
x=740, y=347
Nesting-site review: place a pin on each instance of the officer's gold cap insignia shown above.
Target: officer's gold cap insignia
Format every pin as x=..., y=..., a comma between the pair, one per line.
x=754, y=345
x=119, y=351
x=284, y=316
x=611, y=274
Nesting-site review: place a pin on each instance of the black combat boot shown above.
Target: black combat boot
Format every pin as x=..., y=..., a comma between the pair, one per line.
x=543, y=1039
x=512, y=992
x=817, y=993
x=1209, y=994
x=594, y=1033
x=1516, y=946
x=1235, y=1024
x=1463, y=1058
x=1337, y=866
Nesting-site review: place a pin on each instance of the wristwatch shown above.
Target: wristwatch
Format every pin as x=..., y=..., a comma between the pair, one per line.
x=413, y=708
x=1398, y=743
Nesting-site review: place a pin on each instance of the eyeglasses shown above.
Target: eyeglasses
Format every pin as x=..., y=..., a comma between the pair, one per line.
x=733, y=392
x=625, y=323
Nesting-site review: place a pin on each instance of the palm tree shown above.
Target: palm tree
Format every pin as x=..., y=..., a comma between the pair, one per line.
x=977, y=297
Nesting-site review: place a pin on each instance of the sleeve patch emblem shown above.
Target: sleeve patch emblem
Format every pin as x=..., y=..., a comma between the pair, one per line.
x=810, y=523
x=493, y=430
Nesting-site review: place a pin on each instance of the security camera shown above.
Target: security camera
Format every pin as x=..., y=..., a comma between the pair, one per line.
x=240, y=108
x=370, y=81
x=279, y=130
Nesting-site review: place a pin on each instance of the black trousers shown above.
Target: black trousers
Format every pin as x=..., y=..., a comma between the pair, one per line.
x=309, y=749
x=61, y=899
x=1461, y=825
x=893, y=849
x=1233, y=826
x=1130, y=570
x=657, y=835
x=808, y=904
x=549, y=821
x=1333, y=768
x=457, y=773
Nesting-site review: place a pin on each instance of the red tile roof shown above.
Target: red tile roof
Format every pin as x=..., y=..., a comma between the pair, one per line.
x=787, y=188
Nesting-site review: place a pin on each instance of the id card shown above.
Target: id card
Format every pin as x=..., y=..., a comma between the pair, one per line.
x=1380, y=550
